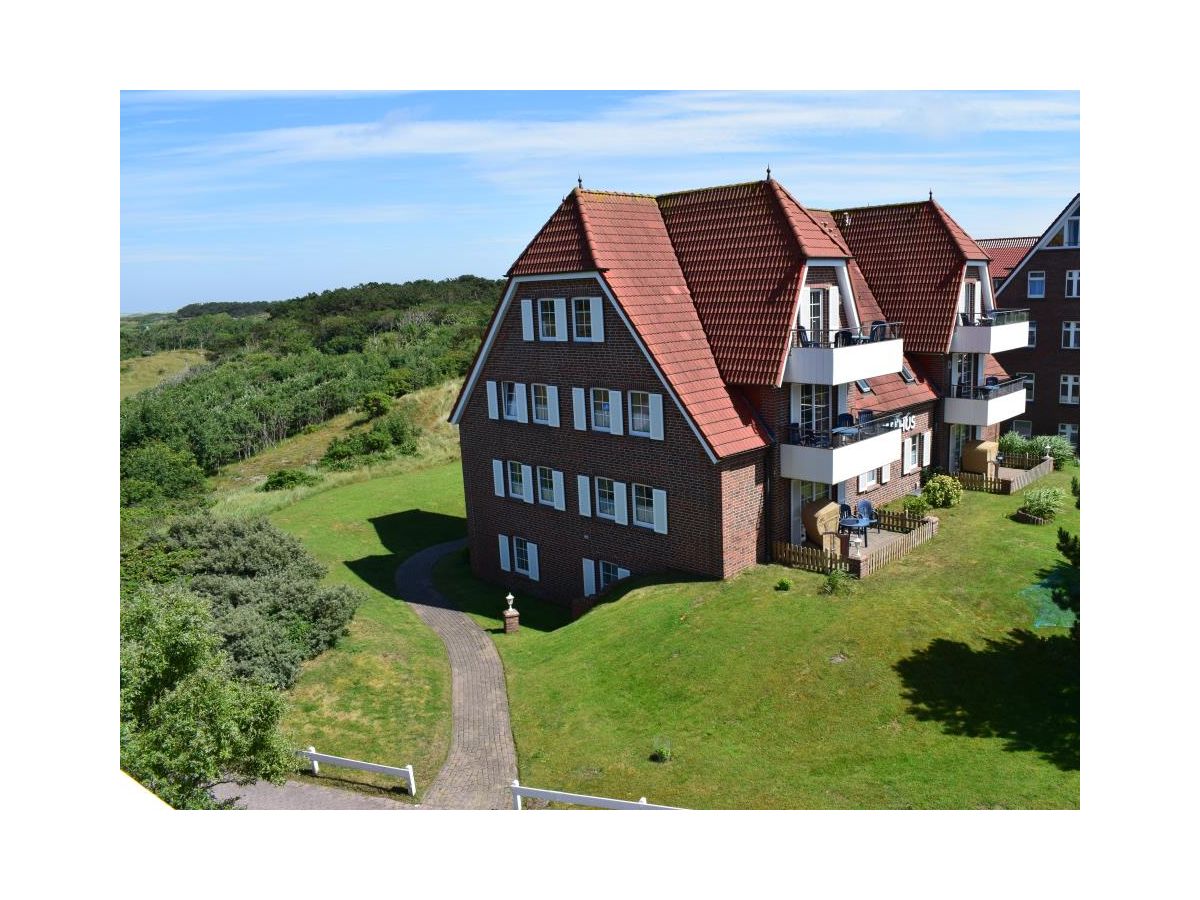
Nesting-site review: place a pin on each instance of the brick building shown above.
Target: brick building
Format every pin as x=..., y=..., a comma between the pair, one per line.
x=671, y=382
x=1046, y=280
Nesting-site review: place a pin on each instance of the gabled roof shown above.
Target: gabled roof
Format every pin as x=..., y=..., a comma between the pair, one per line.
x=623, y=237
x=1059, y=222
x=1005, y=253
x=742, y=248
x=913, y=256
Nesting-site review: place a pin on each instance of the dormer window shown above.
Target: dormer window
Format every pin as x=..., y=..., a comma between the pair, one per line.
x=908, y=376
x=863, y=386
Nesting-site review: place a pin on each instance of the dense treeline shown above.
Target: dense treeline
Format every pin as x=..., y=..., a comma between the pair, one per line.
x=236, y=309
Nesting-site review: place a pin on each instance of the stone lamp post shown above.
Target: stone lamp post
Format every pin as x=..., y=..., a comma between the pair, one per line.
x=512, y=618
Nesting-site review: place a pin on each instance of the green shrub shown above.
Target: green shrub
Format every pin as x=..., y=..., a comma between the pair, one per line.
x=917, y=507
x=942, y=491
x=283, y=479
x=930, y=472
x=402, y=431
x=1075, y=489
x=838, y=581
x=1059, y=448
x=156, y=473
x=783, y=585
x=374, y=404
x=1014, y=443
x=662, y=751
x=1045, y=503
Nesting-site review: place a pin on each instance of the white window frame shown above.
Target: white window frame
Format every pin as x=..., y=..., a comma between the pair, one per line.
x=1030, y=278
x=1070, y=336
x=545, y=499
x=543, y=305
x=649, y=496
x=600, y=514
x=504, y=401
x=516, y=467
x=1023, y=427
x=592, y=409
x=1068, y=390
x=868, y=480
x=522, y=544
x=1030, y=384
x=582, y=304
x=814, y=490
x=649, y=414
x=1067, y=242
x=612, y=568
x=1064, y=427
x=533, y=391
x=1071, y=286
x=1031, y=339
x=912, y=454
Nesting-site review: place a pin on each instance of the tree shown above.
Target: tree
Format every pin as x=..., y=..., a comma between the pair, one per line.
x=186, y=723
x=1066, y=595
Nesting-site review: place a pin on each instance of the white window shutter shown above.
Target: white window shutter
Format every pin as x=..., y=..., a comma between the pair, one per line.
x=589, y=577
x=522, y=405
x=498, y=477
x=527, y=483
x=560, y=495
x=504, y=563
x=597, y=304
x=493, y=405
x=656, y=418
x=534, y=572
x=527, y=320
x=862, y=482
x=926, y=447
x=660, y=511
x=885, y=473
x=585, y=495
x=904, y=455
x=615, y=420
x=560, y=318
x=621, y=503
x=622, y=573
x=580, y=404
x=835, y=310
x=552, y=404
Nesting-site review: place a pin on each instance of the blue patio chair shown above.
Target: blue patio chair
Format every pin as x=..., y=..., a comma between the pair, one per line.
x=845, y=338
x=991, y=381
x=865, y=417
x=845, y=420
x=964, y=318
x=802, y=336
x=878, y=330
x=867, y=511
x=844, y=512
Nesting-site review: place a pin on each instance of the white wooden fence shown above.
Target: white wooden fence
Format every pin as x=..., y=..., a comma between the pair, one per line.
x=578, y=799
x=316, y=759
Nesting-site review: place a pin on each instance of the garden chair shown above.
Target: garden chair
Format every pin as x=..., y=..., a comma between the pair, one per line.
x=878, y=330
x=867, y=511
x=802, y=336
x=865, y=417
x=844, y=512
x=845, y=420
x=844, y=338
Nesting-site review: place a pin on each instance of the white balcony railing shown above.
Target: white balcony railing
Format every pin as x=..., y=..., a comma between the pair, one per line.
x=986, y=405
x=1004, y=329
x=834, y=455
x=845, y=355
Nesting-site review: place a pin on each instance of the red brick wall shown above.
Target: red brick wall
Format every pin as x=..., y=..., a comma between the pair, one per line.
x=743, y=513
x=678, y=464
x=898, y=484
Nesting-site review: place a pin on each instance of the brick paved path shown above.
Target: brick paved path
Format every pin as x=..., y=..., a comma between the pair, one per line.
x=482, y=762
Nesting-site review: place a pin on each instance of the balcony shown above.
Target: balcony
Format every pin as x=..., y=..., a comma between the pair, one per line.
x=835, y=454
x=849, y=354
x=1003, y=329
x=986, y=405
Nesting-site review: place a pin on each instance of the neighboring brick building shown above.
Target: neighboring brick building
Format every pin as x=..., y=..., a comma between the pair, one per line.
x=668, y=381
x=1046, y=280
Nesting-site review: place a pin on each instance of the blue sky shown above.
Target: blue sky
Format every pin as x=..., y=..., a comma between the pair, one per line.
x=264, y=196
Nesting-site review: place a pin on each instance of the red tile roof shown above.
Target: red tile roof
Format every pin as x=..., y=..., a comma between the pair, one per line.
x=1005, y=253
x=742, y=249
x=913, y=255
x=560, y=246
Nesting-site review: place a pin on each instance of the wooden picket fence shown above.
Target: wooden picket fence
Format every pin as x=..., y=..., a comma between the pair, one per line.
x=812, y=559
x=897, y=521
x=973, y=482
x=875, y=559
x=1021, y=460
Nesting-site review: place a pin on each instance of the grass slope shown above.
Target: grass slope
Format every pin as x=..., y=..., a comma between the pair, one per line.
x=383, y=693
x=941, y=697
x=144, y=372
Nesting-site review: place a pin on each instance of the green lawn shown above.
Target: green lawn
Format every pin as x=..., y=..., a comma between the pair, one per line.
x=383, y=693
x=942, y=695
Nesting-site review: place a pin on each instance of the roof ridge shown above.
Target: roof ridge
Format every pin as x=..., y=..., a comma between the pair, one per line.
x=582, y=190
x=995, y=239
x=715, y=187
x=878, y=206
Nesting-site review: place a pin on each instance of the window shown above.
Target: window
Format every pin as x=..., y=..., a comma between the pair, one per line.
x=1032, y=341
x=1068, y=390
x=814, y=408
x=1036, y=286
x=1072, y=284
x=516, y=480
x=1029, y=381
x=1073, y=231
x=1023, y=427
x=639, y=413
x=606, y=498
x=643, y=506
x=908, y=376
x=968, y=298
x=601, y=409
x=863, y=386
x=608, y=574
x=521, y=555
x=813, y=490
x=1070, y=432
x=1070, y=335
x=510, y=400
x=582, y=307
x=818, y=299
x=541, y=404
x=912, y=453
x=547, y=321
x=868, y=479
x=545, y=483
